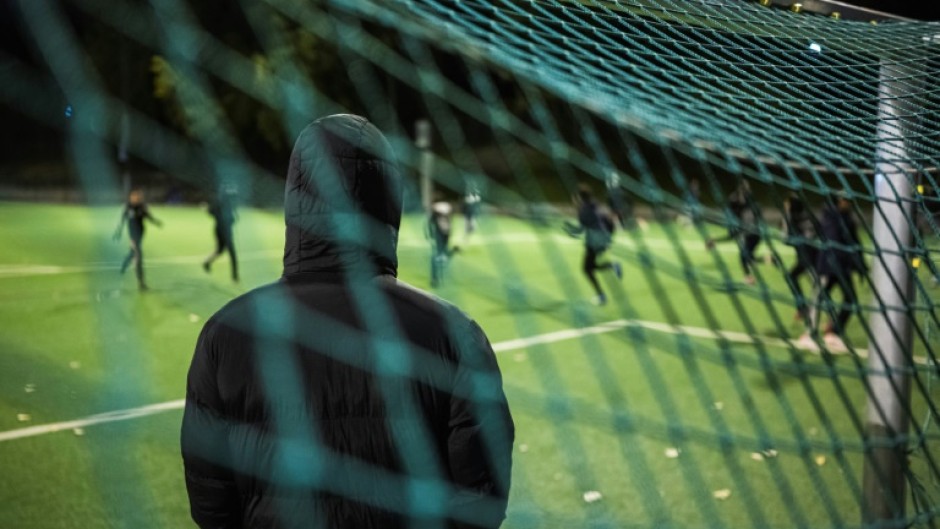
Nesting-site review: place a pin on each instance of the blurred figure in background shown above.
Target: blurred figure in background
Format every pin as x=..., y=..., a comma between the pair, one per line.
x=598, y=230
x=802, y=236
x=222, y=209
x=135, y=211
x=743, y=229
x=439, y=228
x=840, y=257
x=619, y=201
x=472, y=201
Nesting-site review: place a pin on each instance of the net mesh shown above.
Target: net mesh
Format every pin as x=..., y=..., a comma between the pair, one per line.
x=696, y=399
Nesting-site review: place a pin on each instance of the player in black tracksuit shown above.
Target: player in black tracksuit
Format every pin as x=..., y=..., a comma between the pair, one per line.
x=598, y=232
x=134, y=214
x=744, y=231
x=840, y=257
x=802, y=236
x=339, y=397
x=222, y=210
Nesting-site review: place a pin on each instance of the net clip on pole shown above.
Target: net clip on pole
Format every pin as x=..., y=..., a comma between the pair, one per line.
x=765, y=3
x=796, y=8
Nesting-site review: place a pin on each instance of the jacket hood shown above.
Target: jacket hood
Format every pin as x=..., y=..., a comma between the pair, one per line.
x=342, y=201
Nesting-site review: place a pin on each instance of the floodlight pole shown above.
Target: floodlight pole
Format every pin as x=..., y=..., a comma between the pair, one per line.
x=889, y=352
x=124, y=133
x=426, y=163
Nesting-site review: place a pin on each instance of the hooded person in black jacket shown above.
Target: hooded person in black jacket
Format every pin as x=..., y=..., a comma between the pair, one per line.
x=339, y=397
x=840, y=257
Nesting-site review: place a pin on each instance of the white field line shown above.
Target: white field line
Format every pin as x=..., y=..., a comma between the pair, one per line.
x=500, y=347
x=8, y=271
x=25, y=270
x=101, y=418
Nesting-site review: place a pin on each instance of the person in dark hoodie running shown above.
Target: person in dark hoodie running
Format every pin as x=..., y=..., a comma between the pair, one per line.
x=338, y=396
x=743, y=230
x=222, y=209
x=598, y=231
x=802, y=235
x=839, y=257
x=134, y=214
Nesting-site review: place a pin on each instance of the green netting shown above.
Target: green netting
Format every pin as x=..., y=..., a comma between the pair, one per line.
x=693, y=398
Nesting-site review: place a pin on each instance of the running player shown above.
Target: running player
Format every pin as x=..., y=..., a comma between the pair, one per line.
x=598, y=234
x=802, y=236
x=222, y=209
x=743, y=230
x=135, y=211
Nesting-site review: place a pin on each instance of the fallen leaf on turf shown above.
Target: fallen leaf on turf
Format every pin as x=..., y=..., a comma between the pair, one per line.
x=523, y=448
x=770, y=452
x=78, y=431
x=29, y=388
x=719, y=405
x=193, y=318
x=592, y=495
x=23, y=417
x=74, y=364
x=820, y=460
x=672, y=452
x=722, y=494
x=756, y=456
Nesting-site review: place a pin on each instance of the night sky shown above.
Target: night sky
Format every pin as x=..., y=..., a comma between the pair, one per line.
x=919, y=9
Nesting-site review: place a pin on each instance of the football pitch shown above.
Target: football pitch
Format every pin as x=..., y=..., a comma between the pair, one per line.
x=678, y=404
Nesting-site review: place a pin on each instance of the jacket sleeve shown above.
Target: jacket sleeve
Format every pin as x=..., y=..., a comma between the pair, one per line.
x=480, y=436
x=213, y=498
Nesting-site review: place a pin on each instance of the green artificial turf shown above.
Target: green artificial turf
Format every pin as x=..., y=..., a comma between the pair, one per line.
x=658, y=422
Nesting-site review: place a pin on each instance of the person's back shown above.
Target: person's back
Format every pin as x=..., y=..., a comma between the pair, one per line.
x=339, y=397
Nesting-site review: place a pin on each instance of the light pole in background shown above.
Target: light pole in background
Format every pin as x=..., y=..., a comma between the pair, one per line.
x=426, y=163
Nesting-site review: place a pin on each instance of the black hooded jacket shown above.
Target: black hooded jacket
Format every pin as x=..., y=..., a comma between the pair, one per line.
x=339, y=397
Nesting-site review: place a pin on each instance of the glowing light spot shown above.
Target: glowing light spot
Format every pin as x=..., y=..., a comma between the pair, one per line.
x=815, y=48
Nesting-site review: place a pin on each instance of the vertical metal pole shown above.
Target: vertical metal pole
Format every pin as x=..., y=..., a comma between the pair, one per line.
x=426, y=164
x=889, y=359
x=124, y=133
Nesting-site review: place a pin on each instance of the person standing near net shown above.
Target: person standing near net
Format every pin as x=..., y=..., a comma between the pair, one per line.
x=598, y=230
x=134, y=213
x=839, y=258
x=339, y=397
x=743, y=230
x=222, y=209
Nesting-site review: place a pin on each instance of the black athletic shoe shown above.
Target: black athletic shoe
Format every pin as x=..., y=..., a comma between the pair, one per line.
x=206, y=266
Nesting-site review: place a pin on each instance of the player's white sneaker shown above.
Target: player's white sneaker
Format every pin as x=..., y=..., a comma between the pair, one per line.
x=834, y=343
x=807, y=342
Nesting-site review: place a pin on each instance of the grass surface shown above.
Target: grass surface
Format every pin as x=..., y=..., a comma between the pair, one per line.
x=776, y=428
